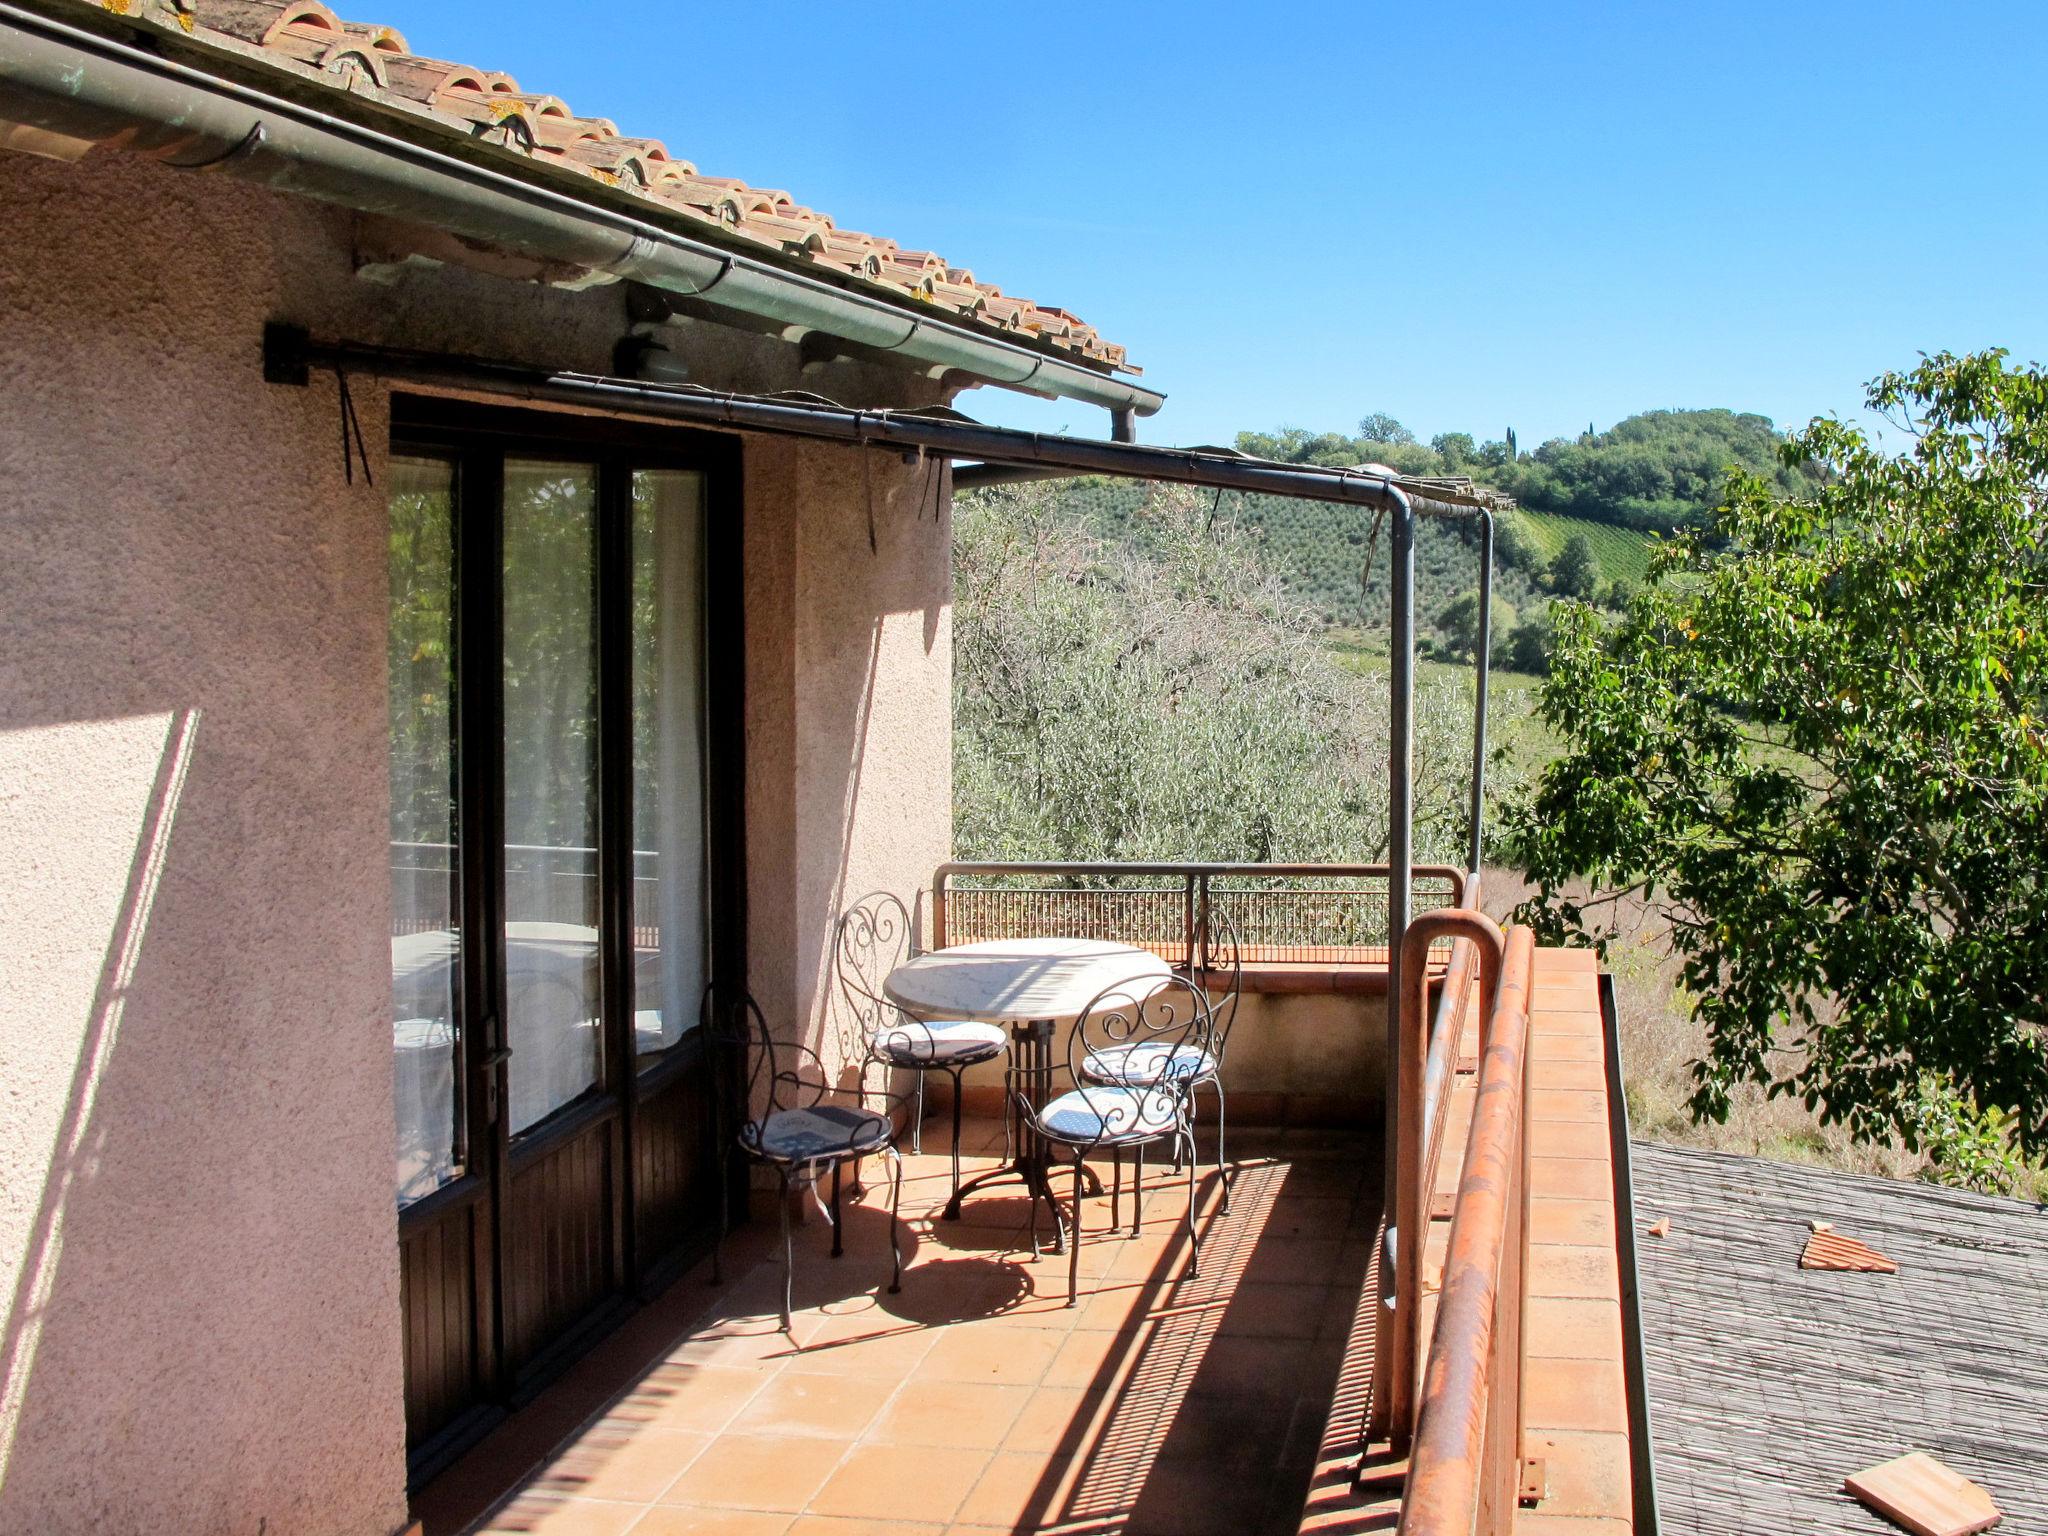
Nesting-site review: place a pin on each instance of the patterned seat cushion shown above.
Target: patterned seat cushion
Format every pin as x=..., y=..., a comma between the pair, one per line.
x=822, y=1131
x=1148, y=1061
x=1103, y=1116
x=914, y=1044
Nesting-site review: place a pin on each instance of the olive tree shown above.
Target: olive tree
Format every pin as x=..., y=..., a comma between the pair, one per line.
x=1160, y=696
x=1816, y=741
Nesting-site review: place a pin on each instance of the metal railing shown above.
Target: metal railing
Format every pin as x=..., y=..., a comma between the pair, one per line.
x=543, y=884
x=1282, y=914
x=1466, y=1466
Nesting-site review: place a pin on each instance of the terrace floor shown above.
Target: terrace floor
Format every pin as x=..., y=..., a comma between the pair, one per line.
x=976, y=1401
x=973, y=1400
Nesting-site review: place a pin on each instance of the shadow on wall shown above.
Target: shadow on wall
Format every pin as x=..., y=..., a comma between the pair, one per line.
x=874, y=750
x=34, y=1335
x=172, y=1336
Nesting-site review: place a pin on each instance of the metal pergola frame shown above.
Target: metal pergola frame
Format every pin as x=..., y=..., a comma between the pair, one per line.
x=291, y=356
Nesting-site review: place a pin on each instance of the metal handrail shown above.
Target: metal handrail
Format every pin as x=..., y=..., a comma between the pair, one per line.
x=1192, y=883
x=1464, y=1470
x=1418, y=1120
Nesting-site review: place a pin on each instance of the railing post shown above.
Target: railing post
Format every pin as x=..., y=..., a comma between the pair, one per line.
x=939, y=909
x=1411, y=1199
x=1484, y=662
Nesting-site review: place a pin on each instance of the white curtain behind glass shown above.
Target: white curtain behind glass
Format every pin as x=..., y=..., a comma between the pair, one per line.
x=668, y=754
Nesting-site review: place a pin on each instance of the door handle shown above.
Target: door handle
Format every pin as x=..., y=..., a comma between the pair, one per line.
x=488, y=1065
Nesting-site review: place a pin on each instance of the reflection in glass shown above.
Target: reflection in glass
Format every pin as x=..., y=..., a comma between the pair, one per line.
x=425, y=914
x=550, y=722
x=668, y=755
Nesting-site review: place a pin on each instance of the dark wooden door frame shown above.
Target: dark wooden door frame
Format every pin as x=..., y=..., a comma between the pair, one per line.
x=477, y=440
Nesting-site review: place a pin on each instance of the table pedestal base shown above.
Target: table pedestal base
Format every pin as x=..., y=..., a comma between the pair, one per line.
x=1030, y=1074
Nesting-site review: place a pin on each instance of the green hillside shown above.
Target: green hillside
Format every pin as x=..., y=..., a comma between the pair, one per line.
x=1623, y=554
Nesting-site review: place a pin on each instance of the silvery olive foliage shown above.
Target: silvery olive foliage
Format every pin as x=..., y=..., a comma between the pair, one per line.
x=1817, y=740
x=1162, y=697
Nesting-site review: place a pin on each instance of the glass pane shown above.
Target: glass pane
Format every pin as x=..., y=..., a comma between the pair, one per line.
x=551, y=905
x=669, y=922
x=425, y=912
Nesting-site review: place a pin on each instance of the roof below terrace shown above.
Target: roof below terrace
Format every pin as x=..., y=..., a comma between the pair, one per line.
x=1769, y=1384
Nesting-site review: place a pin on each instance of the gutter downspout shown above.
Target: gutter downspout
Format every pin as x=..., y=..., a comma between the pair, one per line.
x=75, y=84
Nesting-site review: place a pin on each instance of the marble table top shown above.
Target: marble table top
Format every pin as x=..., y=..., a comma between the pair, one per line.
x=1009, y=980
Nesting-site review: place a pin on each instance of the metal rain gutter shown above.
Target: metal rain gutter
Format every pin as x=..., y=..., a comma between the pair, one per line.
x=291, y=356
x=73, y=84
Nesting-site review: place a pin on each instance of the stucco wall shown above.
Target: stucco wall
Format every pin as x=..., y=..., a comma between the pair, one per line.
x=1302, y=1058
x=197, y=1232
x=850, y=776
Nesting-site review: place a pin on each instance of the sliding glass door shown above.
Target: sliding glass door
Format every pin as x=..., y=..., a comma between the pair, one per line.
x=562, y=681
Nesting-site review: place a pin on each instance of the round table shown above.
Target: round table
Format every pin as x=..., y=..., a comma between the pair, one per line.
x=1032, y=985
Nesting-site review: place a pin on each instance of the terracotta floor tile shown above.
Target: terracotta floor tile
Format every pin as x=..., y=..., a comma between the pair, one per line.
x=697, y=1520
x=1573, y=1328
x=1589, y=1472
x=531, y=1515
x=1534, y=1522
x=1196, y=1499
x=1556, y=1270
x=797, y=1403
x=695, y=1397
x=1298, y=1261
x=1581, y=1104
x=1253, y=1310
x=1572, y=1047
x=1571, y=1178
x=841, y=1525
x=1307, y=1216
x=1572, y=1138
x=1585, y=1223
x=1576, y=1394
x=1117, y=1306
x=771, y=1472
x=1252, y=1370
x=874, y=1349
x=901, y=1482
x=631, y=1464
x=1099, y=1360
x=1007, y=1356
x=1547, y=1073
x=1056, y=1419
x=964, y=1415
x=1017, y=1492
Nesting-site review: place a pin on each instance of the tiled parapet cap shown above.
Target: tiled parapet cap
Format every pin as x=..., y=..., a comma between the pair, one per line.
x=310, y=40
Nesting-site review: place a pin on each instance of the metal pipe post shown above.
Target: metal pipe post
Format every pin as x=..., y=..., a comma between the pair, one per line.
x=1400, y=881
x=1485, y=669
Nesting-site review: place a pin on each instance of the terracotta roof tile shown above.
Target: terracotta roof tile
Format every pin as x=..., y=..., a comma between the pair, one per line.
x=311, y=39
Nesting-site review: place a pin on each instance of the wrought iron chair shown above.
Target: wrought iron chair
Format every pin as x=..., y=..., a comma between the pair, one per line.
x=1202, y=1065
x=875, y=936
x=770, y=1110
x=1155, y=1021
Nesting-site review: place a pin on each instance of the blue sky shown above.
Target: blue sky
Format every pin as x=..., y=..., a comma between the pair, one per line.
x=1472, y=217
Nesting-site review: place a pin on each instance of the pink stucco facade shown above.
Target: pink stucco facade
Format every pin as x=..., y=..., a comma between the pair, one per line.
x=197, y=1230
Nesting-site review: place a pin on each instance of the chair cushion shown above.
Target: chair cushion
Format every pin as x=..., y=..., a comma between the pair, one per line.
x=1148, y=1061
x=1103, y=1116
x=915, y=1044
x=822, y=1131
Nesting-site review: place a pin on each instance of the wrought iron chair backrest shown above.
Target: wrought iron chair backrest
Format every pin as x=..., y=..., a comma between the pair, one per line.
x=875, y=935
x=756, y=1074
x=1161, y=1022
x=1223, y=961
